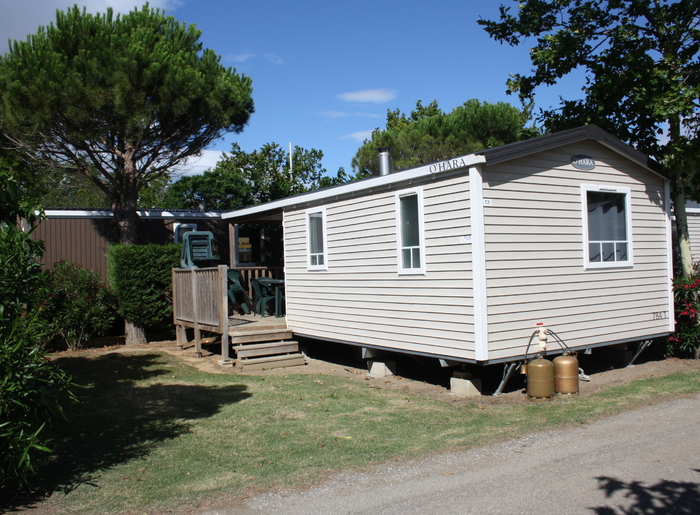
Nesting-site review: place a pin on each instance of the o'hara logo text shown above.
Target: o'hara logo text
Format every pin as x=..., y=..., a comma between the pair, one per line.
x=583, y=162
x=450, y=164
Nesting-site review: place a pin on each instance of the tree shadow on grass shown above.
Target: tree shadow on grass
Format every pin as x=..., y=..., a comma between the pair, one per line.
x=118, y=420
x=664, y=497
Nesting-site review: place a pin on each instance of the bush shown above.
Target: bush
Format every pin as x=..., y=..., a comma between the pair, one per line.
x=141, y=278
x=20, y=276
x=31, y=388
x=685, y=341
x=77, y=305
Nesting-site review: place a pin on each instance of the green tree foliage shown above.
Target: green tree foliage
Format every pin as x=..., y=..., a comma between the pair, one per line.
x=118, y=99
x=140, y=276
x=214, y=189
x=61, y=189
x=249, y=178
x=397, y=121
x=19, y=253
x=20, y=190
x=429, y=135
x=641, y=59
x=20, y=277
x=51, y=186
x=31, y=388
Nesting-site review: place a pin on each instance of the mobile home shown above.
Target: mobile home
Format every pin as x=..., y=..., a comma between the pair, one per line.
x=84, y=235
x=463, y=258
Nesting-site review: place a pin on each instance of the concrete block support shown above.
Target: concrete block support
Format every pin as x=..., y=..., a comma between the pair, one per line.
x=381, y=368
x=470, y=387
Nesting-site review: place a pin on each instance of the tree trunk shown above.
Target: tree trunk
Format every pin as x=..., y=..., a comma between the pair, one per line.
x=682, y=233
x=134, y=333
x=125, y=199
x=124, y=207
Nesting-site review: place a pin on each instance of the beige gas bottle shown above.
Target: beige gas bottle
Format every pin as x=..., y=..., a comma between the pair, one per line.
x=540, y=379
x=566, y=374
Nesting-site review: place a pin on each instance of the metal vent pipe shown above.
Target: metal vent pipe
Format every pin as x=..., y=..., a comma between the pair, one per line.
x=384, y=160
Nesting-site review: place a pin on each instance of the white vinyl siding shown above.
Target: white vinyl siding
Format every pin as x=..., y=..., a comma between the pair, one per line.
x=535, y=254
x=317, y=256
x=363, y=299
x=694, y=233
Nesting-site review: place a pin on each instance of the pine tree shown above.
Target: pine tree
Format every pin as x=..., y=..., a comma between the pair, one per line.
x=120, y=100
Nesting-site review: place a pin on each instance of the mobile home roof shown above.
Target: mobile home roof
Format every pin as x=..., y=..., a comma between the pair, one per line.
x=272, y=211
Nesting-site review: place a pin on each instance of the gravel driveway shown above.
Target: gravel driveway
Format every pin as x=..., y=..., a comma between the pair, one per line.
x=644, y=461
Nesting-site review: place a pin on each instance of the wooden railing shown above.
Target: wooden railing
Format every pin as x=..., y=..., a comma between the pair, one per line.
x=200, y=301
x=254, y=272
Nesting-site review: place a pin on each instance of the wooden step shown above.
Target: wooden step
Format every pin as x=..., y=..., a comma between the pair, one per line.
x=286, y=360
x=266, y=349
x=254, y=336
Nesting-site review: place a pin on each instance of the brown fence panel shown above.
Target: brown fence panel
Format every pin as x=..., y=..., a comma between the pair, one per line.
x=200, y=301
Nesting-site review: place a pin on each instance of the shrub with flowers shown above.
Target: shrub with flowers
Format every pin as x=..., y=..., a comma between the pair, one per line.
x=685, y=341
x=77, y=305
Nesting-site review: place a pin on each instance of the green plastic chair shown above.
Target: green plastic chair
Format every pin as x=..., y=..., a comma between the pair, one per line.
x=196, y=250
x=236, y=290
x=263, y=295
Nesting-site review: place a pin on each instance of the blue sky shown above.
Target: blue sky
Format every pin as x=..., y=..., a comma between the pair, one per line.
x=325, y=72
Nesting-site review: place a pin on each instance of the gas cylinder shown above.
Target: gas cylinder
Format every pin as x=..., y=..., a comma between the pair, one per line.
x=540, y=379
x=566, y=374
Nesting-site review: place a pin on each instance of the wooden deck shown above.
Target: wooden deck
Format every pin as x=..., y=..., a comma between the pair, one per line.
x=200, y=301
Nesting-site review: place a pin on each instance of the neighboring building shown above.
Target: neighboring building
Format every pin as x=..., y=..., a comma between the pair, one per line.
x=461, y=259
x=84, y=236
x=693, y=211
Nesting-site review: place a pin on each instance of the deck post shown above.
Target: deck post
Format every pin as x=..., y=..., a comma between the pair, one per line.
x=223, y=312
x=181, y=336
x=195, y=307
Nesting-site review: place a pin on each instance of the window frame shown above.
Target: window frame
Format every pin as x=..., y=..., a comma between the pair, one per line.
x=418, y=193
x=606, y=188
x=322, y=211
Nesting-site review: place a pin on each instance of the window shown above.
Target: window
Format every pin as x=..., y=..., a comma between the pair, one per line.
x=409, y=220
x=607, y=228
x=316, y=239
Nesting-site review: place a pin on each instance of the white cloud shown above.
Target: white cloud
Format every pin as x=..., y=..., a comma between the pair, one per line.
x=241, y=58
x=20, y=18
x=369, y=96
x=273, y=58
x=334, y=114
x=359, y=136
x=247, y=56
x=198, y=165
x=342, y=114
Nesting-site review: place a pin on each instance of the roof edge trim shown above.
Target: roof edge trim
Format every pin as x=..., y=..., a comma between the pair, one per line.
x=351, y=188
x=588, y=132
x=146, y=214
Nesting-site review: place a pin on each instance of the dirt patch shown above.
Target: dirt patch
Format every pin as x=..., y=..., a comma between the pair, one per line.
x=421, y=376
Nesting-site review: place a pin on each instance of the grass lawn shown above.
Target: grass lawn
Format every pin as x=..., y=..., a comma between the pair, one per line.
x=152, y=433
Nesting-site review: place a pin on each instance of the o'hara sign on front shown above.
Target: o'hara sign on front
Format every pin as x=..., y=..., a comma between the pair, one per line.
x=449, y=164
x=583, y=162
